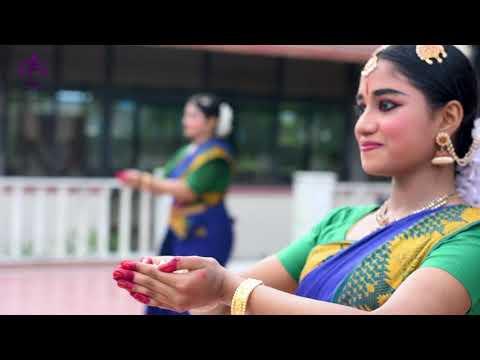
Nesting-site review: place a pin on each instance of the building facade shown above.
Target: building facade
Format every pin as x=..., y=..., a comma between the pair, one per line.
x=90, y=110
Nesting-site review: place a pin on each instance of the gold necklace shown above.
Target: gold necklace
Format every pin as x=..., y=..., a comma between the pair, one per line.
x=383, y=220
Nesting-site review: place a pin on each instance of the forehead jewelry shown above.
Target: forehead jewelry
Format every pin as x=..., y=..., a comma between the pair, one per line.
x=373, y=62
x=426, y=53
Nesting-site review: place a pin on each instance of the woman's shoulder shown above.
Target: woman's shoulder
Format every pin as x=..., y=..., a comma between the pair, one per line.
x=215, y=155
x=463, y=226
x=470, y=217
x=345, y=212
x=344, y=216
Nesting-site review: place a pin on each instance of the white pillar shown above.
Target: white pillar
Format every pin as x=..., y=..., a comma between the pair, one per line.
x=62, y=220
x=103, y=222
x=144, y=223
x=16, y=222
x=125, y=222
x=313, y=198
x=39, y=222
x=163, y=205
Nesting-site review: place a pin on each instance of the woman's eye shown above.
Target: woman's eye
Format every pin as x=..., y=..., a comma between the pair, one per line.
x=387, y=105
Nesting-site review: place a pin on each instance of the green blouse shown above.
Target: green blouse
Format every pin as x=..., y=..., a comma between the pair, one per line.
x=459, y=255
x=214, y=176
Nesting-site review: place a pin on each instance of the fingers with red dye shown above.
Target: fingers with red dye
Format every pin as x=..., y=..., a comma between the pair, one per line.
x=140, y=298
x=147, y=260
x=123, y=284
x=170, y=266
x=128, y=265
x=122, y=274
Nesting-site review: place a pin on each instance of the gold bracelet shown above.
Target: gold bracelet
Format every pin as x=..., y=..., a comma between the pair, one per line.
x=242, y=294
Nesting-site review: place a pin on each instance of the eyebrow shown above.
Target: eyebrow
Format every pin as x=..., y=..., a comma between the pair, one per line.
x=381, y=92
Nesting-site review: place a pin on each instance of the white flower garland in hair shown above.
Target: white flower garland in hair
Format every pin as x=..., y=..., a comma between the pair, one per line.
x=225, y=121
x=467, y=50
x=468, y=179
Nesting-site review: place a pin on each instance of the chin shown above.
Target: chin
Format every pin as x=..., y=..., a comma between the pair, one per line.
x=372, y=169
x=188, y=134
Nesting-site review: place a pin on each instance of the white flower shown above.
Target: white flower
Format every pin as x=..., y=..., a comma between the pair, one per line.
x=468, y=179
x=225, y=120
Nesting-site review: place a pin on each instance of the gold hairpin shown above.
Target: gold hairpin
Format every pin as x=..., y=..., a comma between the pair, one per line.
x=425, y=53
x=428, y=52
x=373, y=62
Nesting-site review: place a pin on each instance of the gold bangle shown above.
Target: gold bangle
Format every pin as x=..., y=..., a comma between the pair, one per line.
x=242, y=294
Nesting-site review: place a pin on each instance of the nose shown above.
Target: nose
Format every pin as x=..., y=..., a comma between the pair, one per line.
x=366, y=125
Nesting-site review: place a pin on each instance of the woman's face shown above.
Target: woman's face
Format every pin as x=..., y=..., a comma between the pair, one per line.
x=195, y=124
x=396, y=129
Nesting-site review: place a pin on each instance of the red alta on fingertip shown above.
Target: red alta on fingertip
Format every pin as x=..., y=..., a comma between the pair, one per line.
x=121, y=175
x=128, y=265
x=121, y=274
x=169, y=267
x=117, y=274
x=141, y=298
x=125, y=285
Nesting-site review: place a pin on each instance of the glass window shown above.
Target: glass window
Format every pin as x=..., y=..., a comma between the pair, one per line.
x=123, y=118
x=78, y=133
x=292, y=139
x=300, y=136
x=53, y=135
x=160, y=134
x=59, y=132
x=30, y=133
x=327, y=137
x=254, y=140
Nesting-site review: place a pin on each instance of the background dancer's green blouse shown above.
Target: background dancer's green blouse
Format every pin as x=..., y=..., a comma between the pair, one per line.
x=214, y=176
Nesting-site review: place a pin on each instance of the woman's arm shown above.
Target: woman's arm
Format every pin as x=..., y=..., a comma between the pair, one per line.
x=270, y=271
x=177, y=188
x=428, y=291
x=146, y=182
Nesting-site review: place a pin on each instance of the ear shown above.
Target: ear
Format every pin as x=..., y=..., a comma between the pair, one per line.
x=451, y=117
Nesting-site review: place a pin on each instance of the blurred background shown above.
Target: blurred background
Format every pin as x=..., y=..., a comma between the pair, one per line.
x=71, y=116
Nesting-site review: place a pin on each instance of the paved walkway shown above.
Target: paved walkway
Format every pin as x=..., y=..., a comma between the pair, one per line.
x=67, y=290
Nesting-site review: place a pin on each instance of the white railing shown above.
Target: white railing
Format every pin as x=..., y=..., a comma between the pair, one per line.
x=74, y=219
x=66, y=220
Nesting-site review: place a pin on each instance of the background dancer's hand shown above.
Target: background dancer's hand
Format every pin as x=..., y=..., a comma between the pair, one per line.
x=130, y=177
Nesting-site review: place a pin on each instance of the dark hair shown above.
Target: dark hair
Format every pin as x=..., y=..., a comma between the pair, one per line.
x=454, y=79
x=208, y=104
